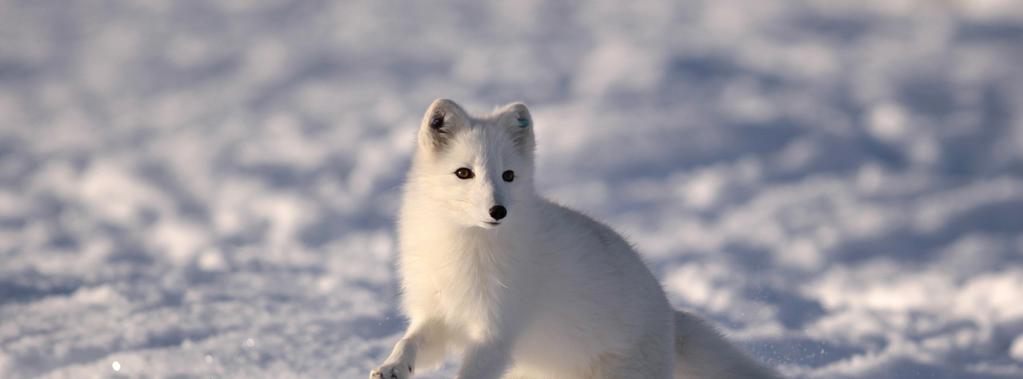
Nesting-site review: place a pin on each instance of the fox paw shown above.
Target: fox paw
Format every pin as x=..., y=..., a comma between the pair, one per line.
x=392, y=371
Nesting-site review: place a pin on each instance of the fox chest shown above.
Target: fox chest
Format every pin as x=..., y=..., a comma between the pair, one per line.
x=465, y=288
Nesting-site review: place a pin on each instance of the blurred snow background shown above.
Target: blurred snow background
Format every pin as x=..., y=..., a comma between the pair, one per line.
x=207, y=189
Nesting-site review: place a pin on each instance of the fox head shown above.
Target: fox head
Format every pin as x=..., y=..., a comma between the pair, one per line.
x=474, y=171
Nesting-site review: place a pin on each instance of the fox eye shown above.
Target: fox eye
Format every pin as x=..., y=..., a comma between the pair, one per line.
x=464, y=173
x=508, y=176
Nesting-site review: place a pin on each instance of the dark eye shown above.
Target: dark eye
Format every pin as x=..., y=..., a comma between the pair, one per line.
x=437, y=121
x=464, y=173
x=508, y=176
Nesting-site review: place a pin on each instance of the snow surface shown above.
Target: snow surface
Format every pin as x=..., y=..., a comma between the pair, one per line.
x=208, y=189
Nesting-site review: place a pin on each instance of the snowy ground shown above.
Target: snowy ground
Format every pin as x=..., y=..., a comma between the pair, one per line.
x=190, y=189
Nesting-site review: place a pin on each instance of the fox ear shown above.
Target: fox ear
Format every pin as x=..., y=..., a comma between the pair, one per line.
x=442, y=119
x=515, y=118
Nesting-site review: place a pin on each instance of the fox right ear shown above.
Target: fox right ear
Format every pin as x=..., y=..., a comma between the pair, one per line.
x=442, y=119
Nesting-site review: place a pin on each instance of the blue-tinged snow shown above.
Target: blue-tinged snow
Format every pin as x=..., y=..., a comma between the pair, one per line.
x=199, y=188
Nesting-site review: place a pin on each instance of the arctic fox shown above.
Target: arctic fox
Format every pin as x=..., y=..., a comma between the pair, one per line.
x=524, y=287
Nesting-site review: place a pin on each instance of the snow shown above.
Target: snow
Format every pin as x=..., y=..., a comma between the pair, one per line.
x=208, y=189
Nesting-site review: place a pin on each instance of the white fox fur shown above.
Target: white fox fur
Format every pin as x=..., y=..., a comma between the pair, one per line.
x=548, y=293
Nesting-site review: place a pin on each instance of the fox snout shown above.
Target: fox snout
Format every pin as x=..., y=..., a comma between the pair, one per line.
x=498, y=212
x=496, y=200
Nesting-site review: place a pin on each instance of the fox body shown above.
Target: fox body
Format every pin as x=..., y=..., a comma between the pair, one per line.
x=524, y=287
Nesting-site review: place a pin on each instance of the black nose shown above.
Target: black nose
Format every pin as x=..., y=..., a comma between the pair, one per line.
x=498, y=212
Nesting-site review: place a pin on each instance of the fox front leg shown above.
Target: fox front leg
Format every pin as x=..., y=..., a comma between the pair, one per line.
x=401, y=363
x=485, y=360
x=423, y=345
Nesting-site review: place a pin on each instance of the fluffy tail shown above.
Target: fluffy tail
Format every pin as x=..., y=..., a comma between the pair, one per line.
x=703, y=353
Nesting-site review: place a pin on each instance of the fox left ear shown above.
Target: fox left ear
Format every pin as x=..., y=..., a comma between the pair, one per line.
x=515, y=118
x=442, y=120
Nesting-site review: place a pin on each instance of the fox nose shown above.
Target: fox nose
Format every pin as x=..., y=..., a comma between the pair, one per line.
x=498, y=212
